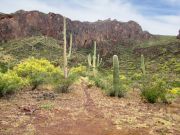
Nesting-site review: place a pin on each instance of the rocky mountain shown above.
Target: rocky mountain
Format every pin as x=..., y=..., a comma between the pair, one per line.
x=29, y=23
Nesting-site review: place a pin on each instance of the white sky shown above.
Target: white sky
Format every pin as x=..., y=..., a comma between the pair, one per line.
x=93, y=10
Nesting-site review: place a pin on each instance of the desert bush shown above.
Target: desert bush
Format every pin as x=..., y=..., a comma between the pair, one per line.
x=101, y=82
x=154, y=89
x=6, y=62
x=10, y=82
x=38, y=71
x=63, y=86
x=136, y=76
x=74, y=73
x=65, y=83
x=79, y=70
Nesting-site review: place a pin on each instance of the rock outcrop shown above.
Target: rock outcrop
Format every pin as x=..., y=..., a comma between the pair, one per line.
x=29, y=23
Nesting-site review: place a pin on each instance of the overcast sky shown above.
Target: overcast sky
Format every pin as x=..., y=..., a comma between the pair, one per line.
x=155, y=16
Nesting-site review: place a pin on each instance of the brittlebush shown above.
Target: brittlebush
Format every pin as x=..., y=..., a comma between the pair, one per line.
x=38, y=71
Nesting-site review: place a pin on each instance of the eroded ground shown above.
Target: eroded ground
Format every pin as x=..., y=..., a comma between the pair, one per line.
x=86, y=111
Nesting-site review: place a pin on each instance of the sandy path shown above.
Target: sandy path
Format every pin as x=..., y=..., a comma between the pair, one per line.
x=86, y=111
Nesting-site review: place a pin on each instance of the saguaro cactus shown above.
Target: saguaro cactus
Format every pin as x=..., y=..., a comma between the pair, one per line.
x=143, y=65
x=70, y=46
x=116, y=79
x=94, y=61
x=64, y=53
x=65, y=50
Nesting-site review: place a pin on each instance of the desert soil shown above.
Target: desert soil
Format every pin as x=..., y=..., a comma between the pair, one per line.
x=86, y=111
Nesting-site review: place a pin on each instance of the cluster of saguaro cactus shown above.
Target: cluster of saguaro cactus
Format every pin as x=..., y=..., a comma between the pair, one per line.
x=143, y=65
x=94, y=61
x=65, y=50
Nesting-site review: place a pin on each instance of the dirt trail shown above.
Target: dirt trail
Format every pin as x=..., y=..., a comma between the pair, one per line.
x=86, y=111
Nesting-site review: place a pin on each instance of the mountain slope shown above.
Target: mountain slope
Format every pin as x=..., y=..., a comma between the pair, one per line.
x=161, y=54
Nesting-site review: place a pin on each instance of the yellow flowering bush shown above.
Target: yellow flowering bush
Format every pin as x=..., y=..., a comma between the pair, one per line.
x=175, y=91
x=38, y=71
x=10, y=82
x=78, y=70
x=122, y=77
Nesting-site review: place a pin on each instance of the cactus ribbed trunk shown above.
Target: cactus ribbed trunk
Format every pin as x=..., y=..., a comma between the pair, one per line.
x=116, y=79
x=94, y=59
x=89, y=60
x=64, y=54
x=143, y=65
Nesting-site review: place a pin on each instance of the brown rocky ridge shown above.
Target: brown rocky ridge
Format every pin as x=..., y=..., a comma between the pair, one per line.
x=29, y=23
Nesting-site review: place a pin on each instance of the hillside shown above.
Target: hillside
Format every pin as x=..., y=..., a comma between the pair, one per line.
x=162, y=53
x=14, y=51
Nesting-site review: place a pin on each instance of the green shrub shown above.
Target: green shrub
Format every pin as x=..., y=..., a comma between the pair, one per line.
x=79, y=70
x=105, y=81
x=6, y=62
x=136, y=76
x=65, y=83
x=10, y=82
x=100, y=82
x=38, y=71
x=154, y=90
x=74, y=73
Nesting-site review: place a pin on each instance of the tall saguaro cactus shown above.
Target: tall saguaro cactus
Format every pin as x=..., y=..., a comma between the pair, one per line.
x=116, y=79
x=64, y=53
x=94, y=61
x=65, y=50
x=143, y=65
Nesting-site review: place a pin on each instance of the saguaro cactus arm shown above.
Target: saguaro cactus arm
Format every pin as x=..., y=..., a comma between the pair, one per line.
x=70, y=46
x=94, y=55
x=99, y=61
x=94, y=61
x=89, y=60
x=143, y=65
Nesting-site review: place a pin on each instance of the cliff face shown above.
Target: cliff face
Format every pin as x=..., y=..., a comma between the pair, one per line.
x=24, y=23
